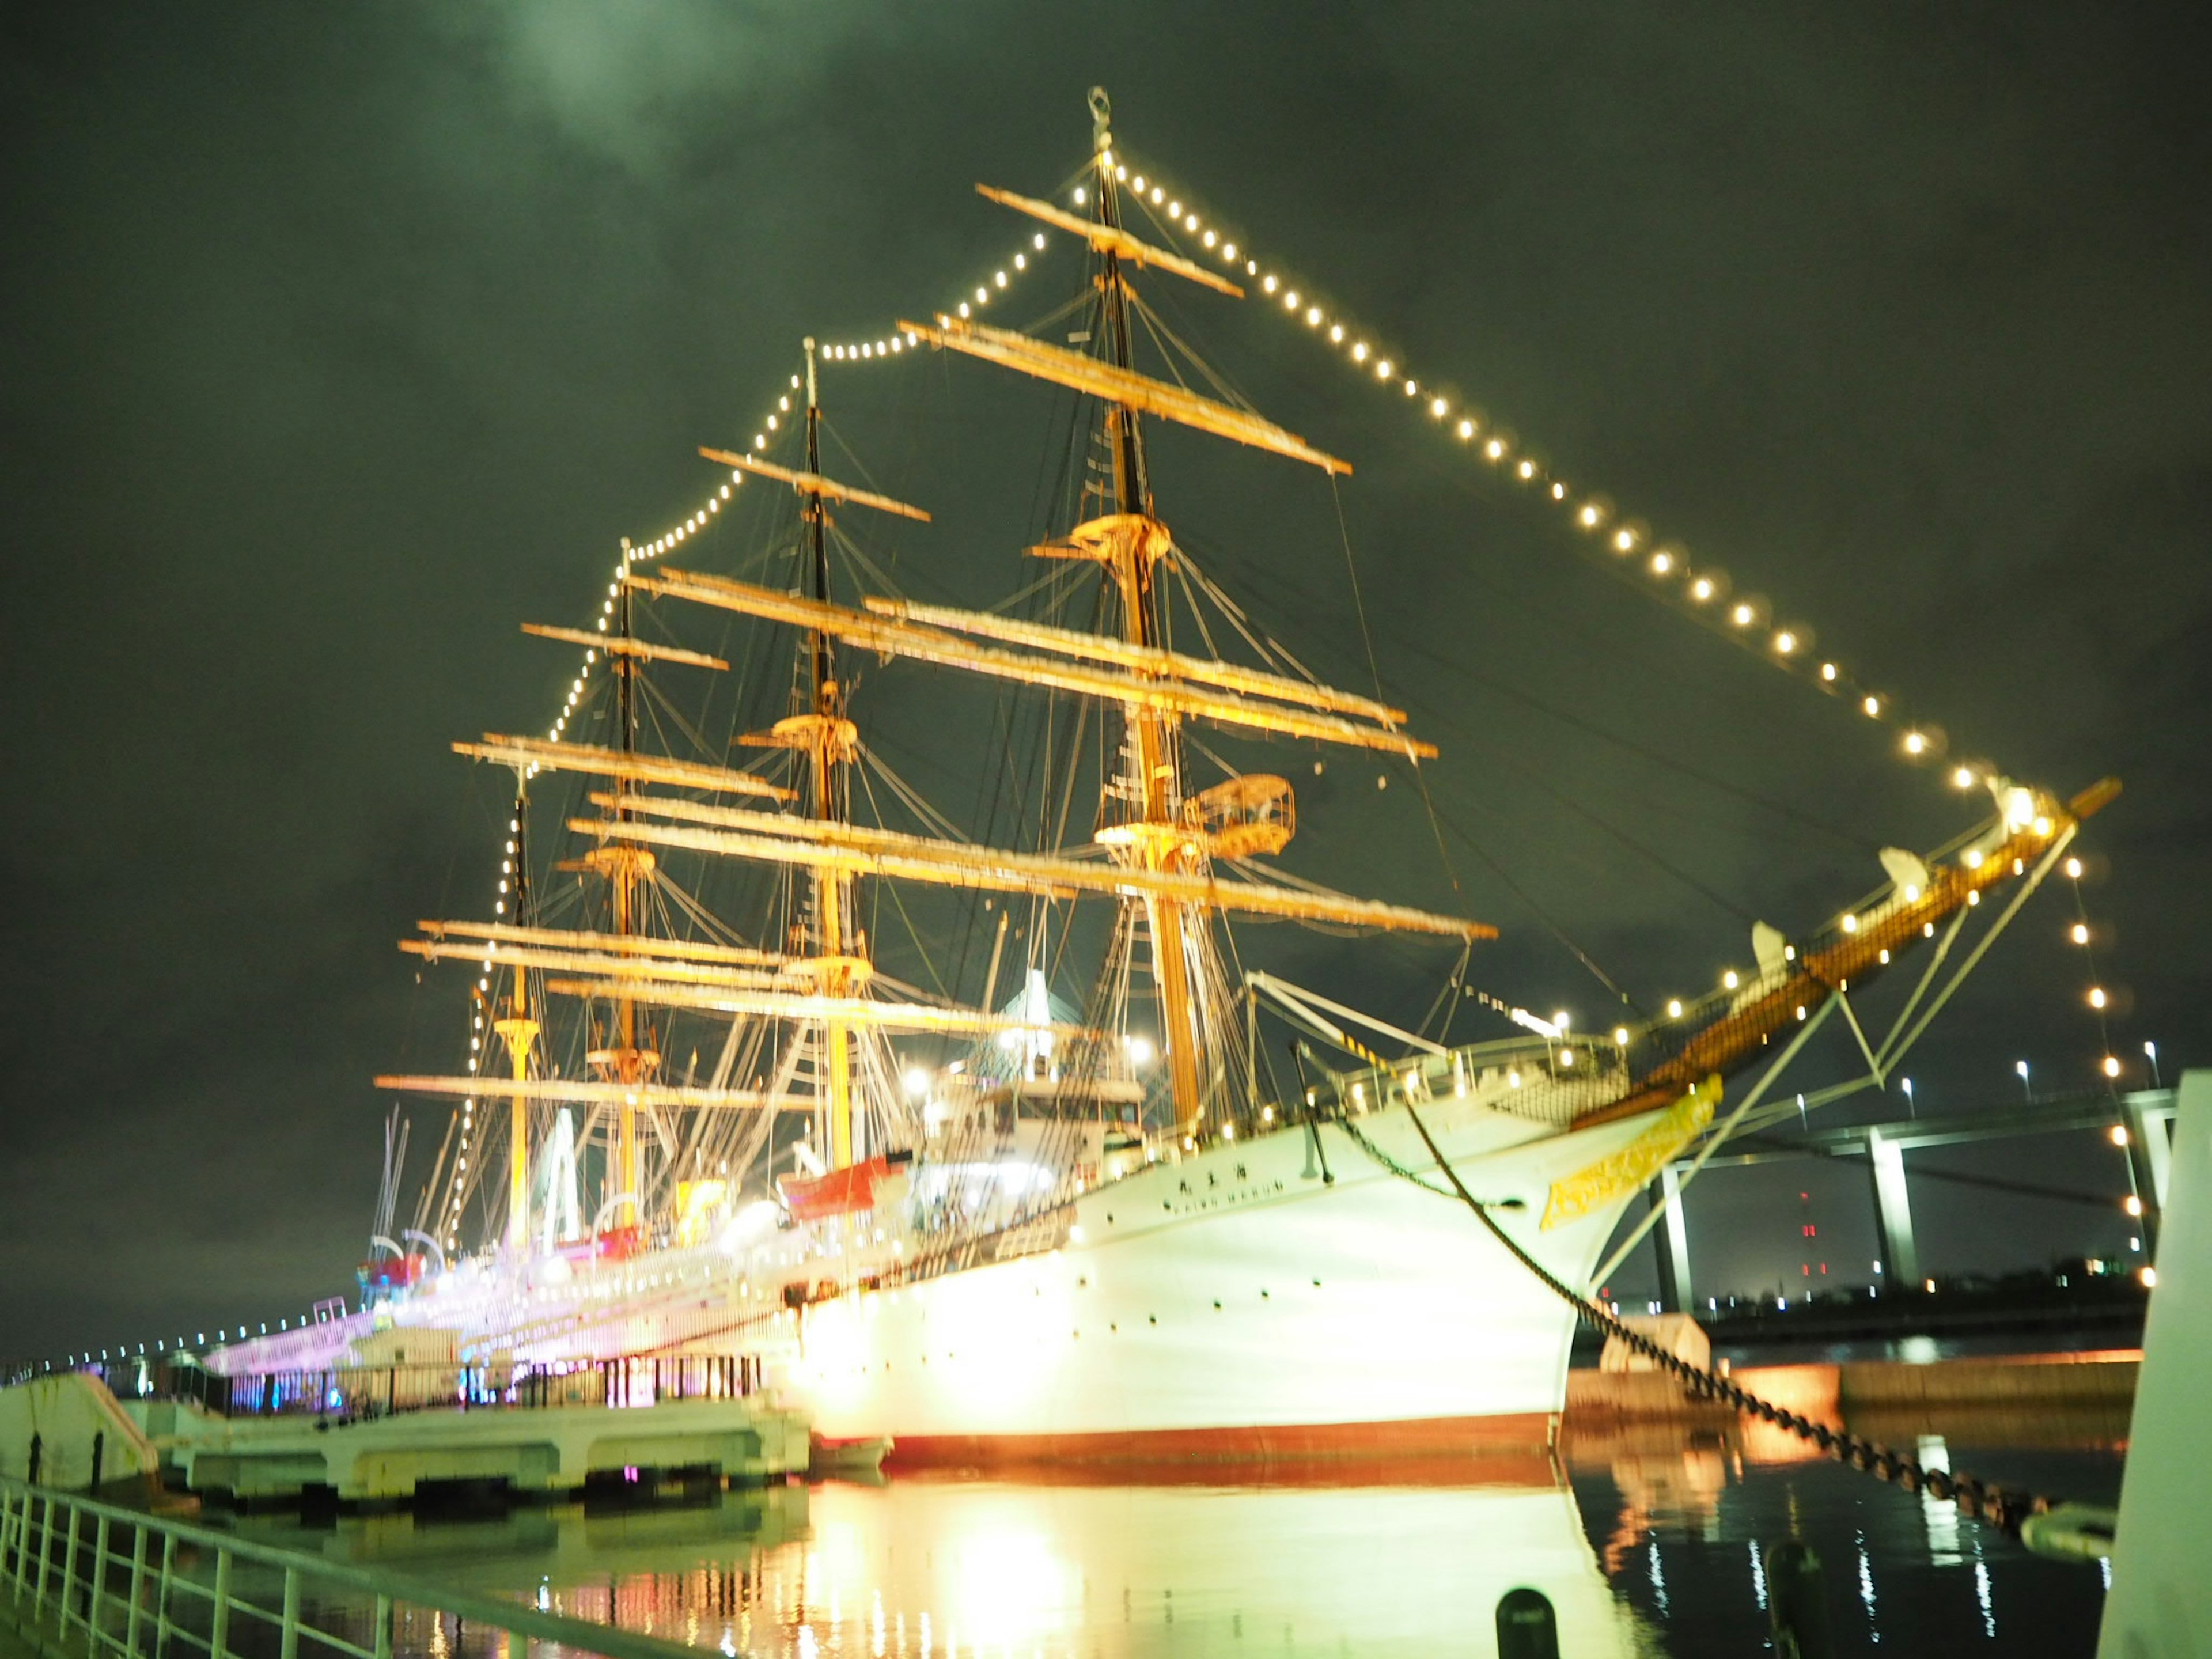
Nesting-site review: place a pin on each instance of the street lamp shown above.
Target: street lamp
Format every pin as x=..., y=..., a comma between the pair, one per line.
x=2150, y=1053
x=2026, y=1093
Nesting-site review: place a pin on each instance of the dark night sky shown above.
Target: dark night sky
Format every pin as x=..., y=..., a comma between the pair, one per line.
x=340, y=339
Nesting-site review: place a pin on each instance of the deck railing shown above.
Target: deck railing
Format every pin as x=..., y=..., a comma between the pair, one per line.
x=93, y=1580
x=354, y=1392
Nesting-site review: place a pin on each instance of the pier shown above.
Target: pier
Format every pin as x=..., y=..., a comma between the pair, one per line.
x=386, y=1434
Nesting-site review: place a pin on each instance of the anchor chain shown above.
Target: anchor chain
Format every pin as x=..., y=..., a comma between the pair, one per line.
x=1980, y=1500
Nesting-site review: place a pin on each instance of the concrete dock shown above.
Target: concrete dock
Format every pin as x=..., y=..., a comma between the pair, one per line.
x=1832, y=1391
x=86, y=1437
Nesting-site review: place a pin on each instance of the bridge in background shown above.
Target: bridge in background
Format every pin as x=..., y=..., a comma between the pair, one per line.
x=2140, y=1122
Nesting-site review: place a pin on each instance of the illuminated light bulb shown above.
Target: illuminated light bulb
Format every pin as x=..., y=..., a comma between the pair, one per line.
x=1383, y=368
x=1674, y=1008
x=1620, y=1035
x=1785, y=642
x=1662, y=563
x=1730, y=981
x=2079, y=932
x=963, y=307
x=784, y=404
x=2073, y=869
x=1021, y=262
x=1289, y=299
x=1911, y=894
x=1526, y=469
x=1465, y=431
x=1884, y=955
x=983, y=296
x=1268, y=285
x=1174, y=209
x=2149, y=1277
x=1359, y=351
x=1851, y=923
x=1313, y=316
x=2113, y=1069
x=1336, y=333
x=1158, y=195
x=1974, y=897
x=1701, y=589
x=2097, y=997
x=1081, y=196
x=1561, y=1019
x=913, y=338
x=1742, y=616
x=1971, y=858
x=1136, y=184
x=2119, y=1134
x=896, y=343
x=2041, y=826
x=1000, y=279
x=1229, y=250
x=1559, y=492
x=1412, y=388
x=771, y=423
x=1210, y=239
x=760, y=441
x=1623, y=540
x=1566, y=1056
x=1588, y=516
x=1190, y=221
x=1437, y=407
x=1495, y=449
x=1873, y=707
x=1927, y=930
x=1915, y=744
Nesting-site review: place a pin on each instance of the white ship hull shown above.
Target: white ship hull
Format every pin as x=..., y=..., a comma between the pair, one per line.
x=1281, y=1297
x=1236, y=1304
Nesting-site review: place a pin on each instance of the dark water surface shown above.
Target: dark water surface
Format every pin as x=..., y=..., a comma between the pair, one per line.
x=1647, y=1545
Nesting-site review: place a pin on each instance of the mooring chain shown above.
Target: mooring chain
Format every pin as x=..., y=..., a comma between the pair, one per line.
x=1978, y=1499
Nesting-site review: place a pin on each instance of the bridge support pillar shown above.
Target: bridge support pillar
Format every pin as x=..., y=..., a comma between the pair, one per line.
x=2150, y=1158
x=1900, y=1258
x=1670, y=1243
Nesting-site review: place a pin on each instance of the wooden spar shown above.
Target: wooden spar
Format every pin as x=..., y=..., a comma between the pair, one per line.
x=614, y=763
x=597, y=1092
x=580, y=939
x=855, y=1011
x=813, y=483
x=895, y=638
x=1112, y=239
x=1151, y=659
x=615, y=646
x=919, y=858
x=1124, y=386
x=1739, y=1034
x=611, y=963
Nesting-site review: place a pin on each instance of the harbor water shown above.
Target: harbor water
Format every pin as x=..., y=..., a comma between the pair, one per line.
x=1645, y=1543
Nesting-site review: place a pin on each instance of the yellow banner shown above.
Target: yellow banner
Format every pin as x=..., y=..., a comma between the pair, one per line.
x=1634, y=1164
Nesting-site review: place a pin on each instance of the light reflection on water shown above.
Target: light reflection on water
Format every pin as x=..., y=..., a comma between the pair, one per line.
x=1647, y=1544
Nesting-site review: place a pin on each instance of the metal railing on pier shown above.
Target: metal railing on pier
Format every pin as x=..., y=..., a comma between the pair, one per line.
x=83, y=1577
x=354, y=1392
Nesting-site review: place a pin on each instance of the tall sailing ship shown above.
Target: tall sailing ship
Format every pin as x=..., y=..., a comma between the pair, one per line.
x=1091, y=1214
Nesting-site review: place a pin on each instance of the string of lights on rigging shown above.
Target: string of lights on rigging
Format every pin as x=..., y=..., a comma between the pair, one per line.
x=1704, y=593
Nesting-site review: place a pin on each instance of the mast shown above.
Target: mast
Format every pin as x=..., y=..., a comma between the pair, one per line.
x=1176, y=931
x=518, y=1030
x=837, y=970
x=626, y=867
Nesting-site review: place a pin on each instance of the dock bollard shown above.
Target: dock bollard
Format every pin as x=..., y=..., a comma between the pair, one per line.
x=1526, y=1627
x=1795, y=1604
